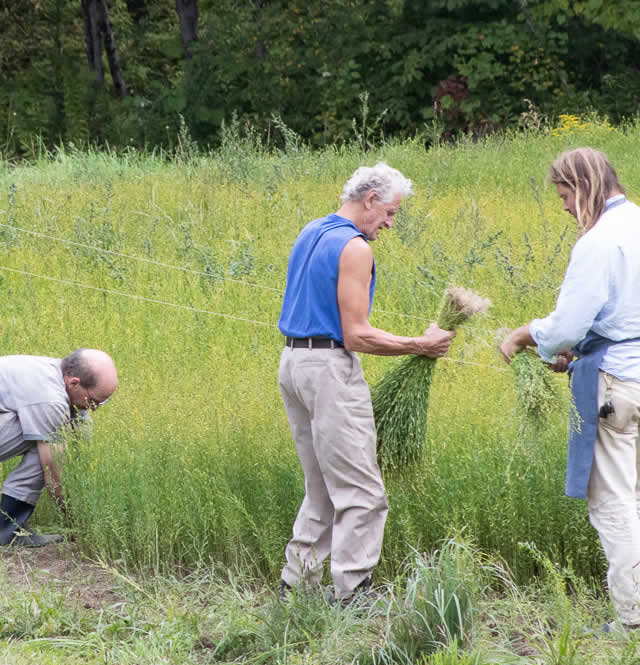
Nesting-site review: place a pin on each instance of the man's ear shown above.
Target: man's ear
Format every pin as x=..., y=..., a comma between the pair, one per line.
x=73, y=381
x=370, y=198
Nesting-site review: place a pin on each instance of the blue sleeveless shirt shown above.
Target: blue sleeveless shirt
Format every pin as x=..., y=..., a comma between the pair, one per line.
x=310, y=305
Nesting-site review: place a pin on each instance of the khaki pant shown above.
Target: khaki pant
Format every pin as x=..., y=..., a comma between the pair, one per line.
x=613, y=494
x=344, y=509
x=26, y=481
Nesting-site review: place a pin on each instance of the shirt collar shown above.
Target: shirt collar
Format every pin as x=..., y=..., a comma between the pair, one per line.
x=613, y=199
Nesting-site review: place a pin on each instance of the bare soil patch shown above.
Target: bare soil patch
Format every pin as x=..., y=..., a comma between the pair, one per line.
x=60, y=564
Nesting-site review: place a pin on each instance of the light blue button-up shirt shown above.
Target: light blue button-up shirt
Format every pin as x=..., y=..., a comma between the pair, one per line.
x=600, y=292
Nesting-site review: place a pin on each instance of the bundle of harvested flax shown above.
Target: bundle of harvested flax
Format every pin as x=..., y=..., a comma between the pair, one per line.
x=400, y=398
x=537, y=393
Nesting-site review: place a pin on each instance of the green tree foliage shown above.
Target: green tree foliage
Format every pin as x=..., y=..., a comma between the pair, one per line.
x=459, y=65
x=622, y=17
x=36, y=68
x=602, y=58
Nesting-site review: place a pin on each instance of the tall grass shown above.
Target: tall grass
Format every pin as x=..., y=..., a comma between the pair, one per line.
x=193, y=457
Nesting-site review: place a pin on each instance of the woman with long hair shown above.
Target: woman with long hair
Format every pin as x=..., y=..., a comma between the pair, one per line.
x=594, y=332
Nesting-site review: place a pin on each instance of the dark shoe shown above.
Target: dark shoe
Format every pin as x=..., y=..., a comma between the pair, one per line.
x=362, y=596
x=611, y=628
x=616, y=627
x=13, y=517
x=364, y=586
x=284, y=590
x=31, y=539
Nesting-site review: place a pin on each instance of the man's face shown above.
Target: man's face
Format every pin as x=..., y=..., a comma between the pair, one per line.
x=379, y=215
x=88, y=398
x=568, y=197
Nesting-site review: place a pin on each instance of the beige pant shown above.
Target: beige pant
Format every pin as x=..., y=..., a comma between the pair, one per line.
x=26, y=481
x=613, y=494
x=344, y=509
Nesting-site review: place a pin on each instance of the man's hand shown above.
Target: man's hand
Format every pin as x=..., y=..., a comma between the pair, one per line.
x=509, y=348
x=435, y=342
x=517, y=341
x=562, y=362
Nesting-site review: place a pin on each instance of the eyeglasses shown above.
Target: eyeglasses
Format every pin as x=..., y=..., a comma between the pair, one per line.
x=93, y=402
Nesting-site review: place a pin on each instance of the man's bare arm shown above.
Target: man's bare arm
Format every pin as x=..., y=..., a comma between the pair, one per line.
x=354, y=280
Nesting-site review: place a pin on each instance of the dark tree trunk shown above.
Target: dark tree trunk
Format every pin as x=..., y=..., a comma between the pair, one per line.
x=188, y=15
x=112, y=52
x=98, y=30
x=137, y=9
x=92, y=38
x=261, y=47
x=58, y=70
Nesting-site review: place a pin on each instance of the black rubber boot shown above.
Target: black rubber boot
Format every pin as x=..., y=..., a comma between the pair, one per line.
x=284, y=590
x=13, y=525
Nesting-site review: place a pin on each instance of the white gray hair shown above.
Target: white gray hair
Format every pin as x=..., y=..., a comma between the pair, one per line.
x=386, y=181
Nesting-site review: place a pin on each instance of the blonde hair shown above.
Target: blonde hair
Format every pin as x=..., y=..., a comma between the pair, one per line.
x=588, y=173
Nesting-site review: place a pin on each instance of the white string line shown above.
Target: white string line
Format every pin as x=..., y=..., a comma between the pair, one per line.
x=136, y=258
x=189, y=270
x=467, y=362
x=135, y=297
x=407, y=316
x=195, y=309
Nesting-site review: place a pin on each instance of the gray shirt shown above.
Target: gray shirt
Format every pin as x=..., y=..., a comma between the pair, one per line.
x=34, y=405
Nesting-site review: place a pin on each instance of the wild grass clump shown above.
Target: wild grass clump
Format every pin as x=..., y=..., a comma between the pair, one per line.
x=435, y=604
x=452, y=655
x=536, y=390
x=400, y=398
x=432, y=605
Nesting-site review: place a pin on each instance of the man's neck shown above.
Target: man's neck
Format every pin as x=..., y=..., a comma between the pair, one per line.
x=351, y=210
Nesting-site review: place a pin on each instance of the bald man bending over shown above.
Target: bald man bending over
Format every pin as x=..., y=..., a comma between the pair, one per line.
x=40, y=398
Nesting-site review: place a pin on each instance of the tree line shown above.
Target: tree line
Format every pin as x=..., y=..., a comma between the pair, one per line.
x=143, y=72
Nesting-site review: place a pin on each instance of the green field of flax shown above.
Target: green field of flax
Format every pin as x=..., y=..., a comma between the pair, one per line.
x=192, y=458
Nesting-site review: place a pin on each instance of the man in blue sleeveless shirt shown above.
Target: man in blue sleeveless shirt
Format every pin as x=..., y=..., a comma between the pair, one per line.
x=325, y=319
x=597, y=319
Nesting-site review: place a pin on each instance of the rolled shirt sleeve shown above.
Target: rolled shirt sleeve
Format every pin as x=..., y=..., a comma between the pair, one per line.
x=583, y=295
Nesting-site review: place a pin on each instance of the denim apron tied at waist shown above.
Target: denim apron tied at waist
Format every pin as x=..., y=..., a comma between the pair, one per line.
x=583, y=420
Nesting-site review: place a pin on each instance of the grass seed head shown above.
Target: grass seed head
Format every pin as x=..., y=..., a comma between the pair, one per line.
x=459, y=304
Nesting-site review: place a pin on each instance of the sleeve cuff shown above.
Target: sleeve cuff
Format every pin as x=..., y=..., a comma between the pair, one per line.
x=535, y=334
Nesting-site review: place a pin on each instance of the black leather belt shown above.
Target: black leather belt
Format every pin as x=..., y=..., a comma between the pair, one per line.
x=313, y=343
